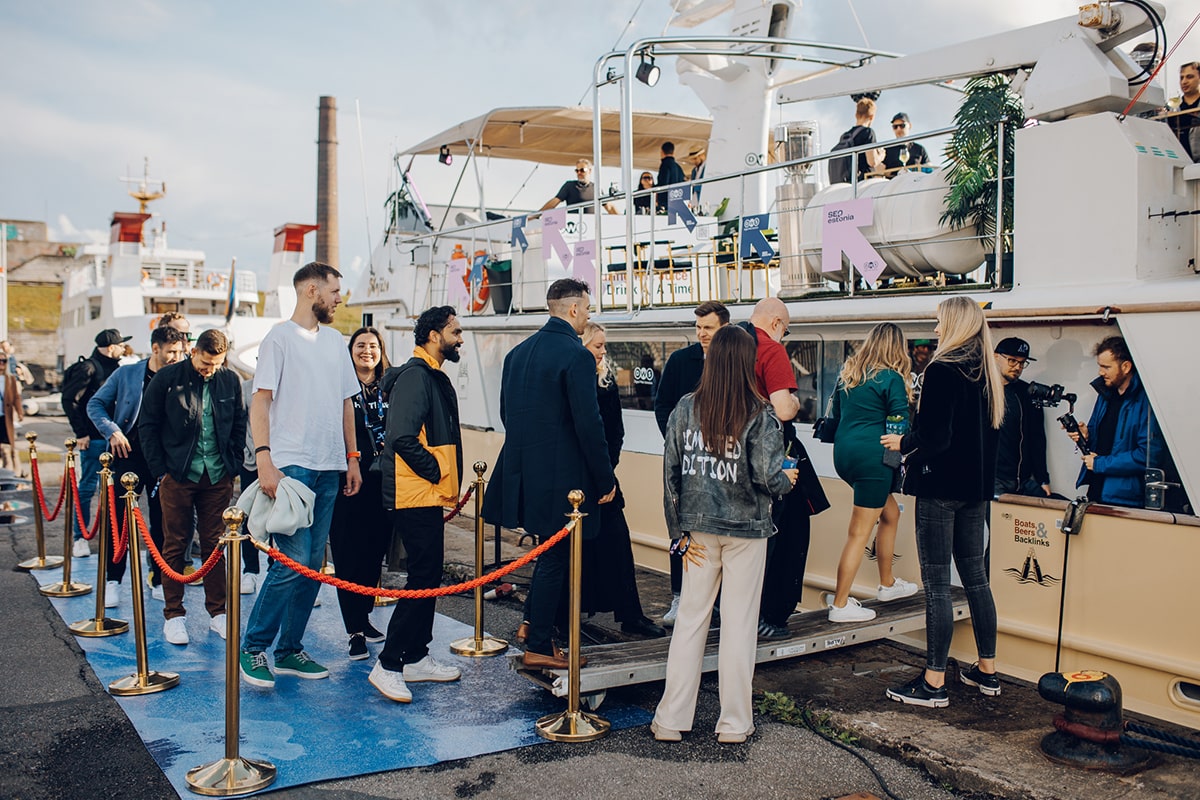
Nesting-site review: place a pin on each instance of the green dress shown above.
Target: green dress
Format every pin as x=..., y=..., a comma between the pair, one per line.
x=862, y=415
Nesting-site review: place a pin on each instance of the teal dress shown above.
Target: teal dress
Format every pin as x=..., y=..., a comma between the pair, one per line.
x=862, y=415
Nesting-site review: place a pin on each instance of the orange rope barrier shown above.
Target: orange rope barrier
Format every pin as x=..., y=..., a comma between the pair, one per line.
x=41, y=498
x=454, y=511
x=83, y=526
x=120, y=534
x=412, y=594
x=199, y=574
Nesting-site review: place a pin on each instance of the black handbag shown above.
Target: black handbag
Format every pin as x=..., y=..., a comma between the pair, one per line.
x=825, y=428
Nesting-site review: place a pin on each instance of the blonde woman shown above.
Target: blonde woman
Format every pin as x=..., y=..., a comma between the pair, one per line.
x=950, y=456
x=872, y=394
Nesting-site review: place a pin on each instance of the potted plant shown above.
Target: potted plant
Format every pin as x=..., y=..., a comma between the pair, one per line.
x=973, y=159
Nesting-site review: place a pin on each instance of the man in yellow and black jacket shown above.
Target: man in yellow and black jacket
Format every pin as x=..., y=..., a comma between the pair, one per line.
x=422, y=470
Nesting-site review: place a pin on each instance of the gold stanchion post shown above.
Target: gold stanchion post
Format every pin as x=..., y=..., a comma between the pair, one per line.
x=66, y=587
x=99, y=625
x=143, y=681
x=574, y=725
x=232, y=775
x=42, y=561
x=479, y=645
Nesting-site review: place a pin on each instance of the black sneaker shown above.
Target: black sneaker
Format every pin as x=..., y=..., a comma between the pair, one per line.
x=643, y=627
x=358, y=647
x=919, y=693
x=371, y=634
x=772, y=632
x=988, y=683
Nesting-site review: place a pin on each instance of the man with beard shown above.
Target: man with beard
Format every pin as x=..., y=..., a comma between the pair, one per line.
x=422, y=457
x=302, y=421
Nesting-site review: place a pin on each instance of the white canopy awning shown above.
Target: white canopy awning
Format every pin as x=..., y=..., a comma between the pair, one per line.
x=563, y=135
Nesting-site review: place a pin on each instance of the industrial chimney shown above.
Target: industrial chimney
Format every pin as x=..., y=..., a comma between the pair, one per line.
x=327, y=192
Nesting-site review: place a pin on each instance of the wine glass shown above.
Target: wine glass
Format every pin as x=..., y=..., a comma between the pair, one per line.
x=903, y=156
x=1174, y=103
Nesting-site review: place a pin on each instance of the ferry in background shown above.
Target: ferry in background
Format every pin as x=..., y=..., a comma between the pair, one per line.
x=1105, y=236
x=129, y=283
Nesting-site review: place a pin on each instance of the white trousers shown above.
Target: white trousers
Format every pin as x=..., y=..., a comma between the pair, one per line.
x=733, y=566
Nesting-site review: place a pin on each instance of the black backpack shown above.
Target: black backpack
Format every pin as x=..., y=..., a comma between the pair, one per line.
x=76, y=380
x=840, y=168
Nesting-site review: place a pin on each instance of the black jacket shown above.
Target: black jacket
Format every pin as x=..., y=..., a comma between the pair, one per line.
x=680, y=376
x=1021, y=450
x=422, y=449
x=669, y=173
x=93, y=372
x=950, y=454
x=169, y=422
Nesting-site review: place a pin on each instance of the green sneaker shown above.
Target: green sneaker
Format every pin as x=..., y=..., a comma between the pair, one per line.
x=300, y=665
x=255, y=670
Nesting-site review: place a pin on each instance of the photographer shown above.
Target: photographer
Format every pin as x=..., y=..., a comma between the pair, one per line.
x=1118, y=432
x=1021, y=450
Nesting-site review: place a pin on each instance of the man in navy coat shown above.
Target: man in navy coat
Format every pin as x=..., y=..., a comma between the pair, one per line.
x=553, y=443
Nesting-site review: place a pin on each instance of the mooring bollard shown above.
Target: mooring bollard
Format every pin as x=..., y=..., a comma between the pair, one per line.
x=479, y=645
x=66, y=587
x=42, y=561
x=232, y=775
x=99, y=625
x=574, y=725
x=143, y=681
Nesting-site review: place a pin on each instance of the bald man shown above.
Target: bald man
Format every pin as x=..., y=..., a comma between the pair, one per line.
x=772, y=368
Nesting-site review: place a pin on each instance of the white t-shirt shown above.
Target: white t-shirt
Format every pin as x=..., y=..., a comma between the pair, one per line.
x=310, y=375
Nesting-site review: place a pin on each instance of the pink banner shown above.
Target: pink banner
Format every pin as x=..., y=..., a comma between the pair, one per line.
x=456, y=289
x=553, y=222
x=840, y=233
x=583, y=261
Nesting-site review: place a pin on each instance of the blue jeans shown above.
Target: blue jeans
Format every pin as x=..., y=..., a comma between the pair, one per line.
x=947, y=528
x=89, y=478
x=285, y=599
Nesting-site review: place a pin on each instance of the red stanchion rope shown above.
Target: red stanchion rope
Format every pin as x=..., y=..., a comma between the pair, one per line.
x=120, y=534
x=412, y=594
x=41, y=498
x=199, y=574
x=459, y=507
x=83, y=526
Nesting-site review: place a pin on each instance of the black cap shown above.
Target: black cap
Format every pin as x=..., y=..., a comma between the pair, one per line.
x=1017, y=348
x=900, y=116
x=110, y=336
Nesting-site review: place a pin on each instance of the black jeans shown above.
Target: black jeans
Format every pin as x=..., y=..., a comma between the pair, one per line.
x=787, y=558
x=411, y=628
x=546, y=596
x=945, y=529
x=359, y=535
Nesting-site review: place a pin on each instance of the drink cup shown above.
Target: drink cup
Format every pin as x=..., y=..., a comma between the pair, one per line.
x=789, y=463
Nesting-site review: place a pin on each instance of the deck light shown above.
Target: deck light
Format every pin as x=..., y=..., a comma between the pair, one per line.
x=647, y=72
x=444, y=155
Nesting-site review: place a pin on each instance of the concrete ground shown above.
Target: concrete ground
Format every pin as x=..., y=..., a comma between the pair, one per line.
x=62, y=736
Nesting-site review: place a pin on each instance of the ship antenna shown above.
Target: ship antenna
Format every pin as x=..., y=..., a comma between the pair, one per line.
x=143, y=192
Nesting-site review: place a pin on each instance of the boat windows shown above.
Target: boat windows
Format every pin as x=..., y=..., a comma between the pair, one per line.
x=638, y=367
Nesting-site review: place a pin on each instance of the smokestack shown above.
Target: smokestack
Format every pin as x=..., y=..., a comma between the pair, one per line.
x=327, y=192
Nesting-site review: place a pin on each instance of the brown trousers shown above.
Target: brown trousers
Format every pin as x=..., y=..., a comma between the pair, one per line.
x=183, y=502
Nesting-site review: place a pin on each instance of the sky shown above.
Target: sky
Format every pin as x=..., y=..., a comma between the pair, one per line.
x=222, y=98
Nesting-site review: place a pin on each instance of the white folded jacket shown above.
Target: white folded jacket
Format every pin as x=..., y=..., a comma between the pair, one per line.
x=291, y=510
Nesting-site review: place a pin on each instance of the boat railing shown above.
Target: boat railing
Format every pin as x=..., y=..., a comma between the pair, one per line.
x=774, y=246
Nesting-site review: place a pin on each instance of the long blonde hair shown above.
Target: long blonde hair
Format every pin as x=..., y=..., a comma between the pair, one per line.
x=965, y=341
x=883, y=349
x=604, y=370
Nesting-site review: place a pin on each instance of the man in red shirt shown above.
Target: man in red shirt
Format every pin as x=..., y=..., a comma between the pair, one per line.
x=787, y=551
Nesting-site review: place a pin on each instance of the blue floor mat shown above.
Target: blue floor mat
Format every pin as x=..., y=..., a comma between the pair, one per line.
x=312, y=730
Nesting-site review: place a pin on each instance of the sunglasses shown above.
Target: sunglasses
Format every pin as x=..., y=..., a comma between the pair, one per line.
x=581, y=169
x=899, y=125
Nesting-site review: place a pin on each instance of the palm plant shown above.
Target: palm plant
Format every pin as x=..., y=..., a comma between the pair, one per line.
x=973, y=157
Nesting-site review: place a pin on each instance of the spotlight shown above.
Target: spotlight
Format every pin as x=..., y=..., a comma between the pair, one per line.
x=444, y=155
x=647, y=73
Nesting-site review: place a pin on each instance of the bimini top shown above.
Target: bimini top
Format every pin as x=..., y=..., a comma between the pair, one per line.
x=563, y=135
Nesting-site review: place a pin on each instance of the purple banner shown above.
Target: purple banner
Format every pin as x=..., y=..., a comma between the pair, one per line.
x=583, y=261
x=553, y=222
x=840, y=233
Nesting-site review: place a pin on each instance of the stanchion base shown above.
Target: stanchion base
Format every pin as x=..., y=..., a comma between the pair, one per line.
x=231, y=776
x=61, y=589
x=49, y=562
x=478, y=648
x=132, y=685
x=380, y=602
x=572, y=727
x=104, y=626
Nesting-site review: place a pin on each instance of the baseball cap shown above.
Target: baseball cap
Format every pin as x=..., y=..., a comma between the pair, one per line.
x=926, y=342
x=110, y=336
x=900, y=117
x=1017, y=348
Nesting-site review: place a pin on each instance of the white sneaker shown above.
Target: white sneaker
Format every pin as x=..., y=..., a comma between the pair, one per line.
x=218, y=625
x=899, y=588
x=81, y=549
x=175, y=630
x=249, y=583
x=429, y=670
x=390, y=684
x=157, y=593
x=851, y=612
x=112, y=594
x=668, y=619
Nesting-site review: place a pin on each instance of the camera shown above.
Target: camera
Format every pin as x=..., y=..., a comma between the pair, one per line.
x=1044, y=396
x=1069, y=422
